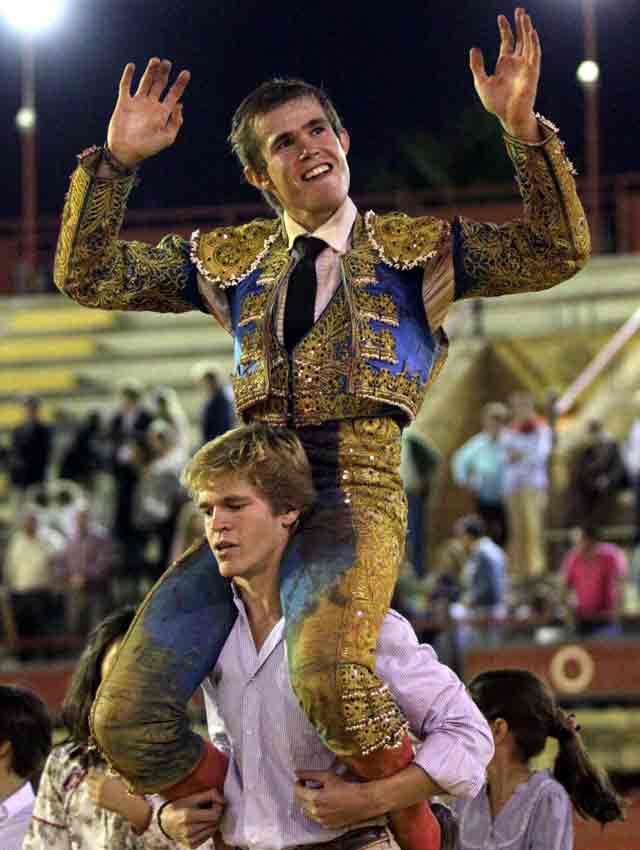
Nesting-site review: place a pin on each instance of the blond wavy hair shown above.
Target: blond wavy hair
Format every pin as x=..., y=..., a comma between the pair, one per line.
x=270, y=459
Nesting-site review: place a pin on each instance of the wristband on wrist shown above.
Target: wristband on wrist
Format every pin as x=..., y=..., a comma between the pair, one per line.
x=115, y=164
x=159, y=819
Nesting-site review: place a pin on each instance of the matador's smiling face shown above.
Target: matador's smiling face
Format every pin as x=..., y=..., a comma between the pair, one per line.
x=306, y=162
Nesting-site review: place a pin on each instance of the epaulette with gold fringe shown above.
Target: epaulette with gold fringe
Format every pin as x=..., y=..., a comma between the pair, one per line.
x=226, y=255
x=404, y=242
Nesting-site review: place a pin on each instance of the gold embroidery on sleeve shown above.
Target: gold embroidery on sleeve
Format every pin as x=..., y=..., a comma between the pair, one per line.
x=96, y=269
x=550, y=244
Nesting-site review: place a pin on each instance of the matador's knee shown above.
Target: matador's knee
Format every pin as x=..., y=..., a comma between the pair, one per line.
x=352, y=709
x=151, y=748
x=139, y=719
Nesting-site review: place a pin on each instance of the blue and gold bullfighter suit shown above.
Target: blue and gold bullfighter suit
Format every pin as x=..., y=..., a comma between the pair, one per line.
x=349, y=386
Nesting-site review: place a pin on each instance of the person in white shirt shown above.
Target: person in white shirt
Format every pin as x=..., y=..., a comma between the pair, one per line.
x=25, y=741
x=527, y=443
x=28, y=573
x=631, y=457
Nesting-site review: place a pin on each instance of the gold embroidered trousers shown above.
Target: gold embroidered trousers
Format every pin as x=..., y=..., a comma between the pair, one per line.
x=338, y=575
x=337, y=581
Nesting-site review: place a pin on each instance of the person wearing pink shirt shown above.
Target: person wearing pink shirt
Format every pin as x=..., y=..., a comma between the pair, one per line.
x=592, y=573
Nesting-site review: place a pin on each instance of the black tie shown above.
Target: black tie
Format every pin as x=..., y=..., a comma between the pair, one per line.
x=300, y=305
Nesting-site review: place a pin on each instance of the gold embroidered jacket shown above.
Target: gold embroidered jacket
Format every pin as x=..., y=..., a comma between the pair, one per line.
x=379, y=343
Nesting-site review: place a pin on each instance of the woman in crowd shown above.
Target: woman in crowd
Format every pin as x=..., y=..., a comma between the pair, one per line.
x=168, y=409
x=522, y=809
x=66, y=814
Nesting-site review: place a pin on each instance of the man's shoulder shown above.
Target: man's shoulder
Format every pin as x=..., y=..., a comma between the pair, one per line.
x=404, y=241
x=396, y=627
x=611, y=554
x=225, y=255
x=476, y=442
x=398, y=647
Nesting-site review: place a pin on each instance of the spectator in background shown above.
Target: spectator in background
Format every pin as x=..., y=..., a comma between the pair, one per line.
x=527, y=443
x=85, y=454
x=418, y=464
x=56, y=503
x=632, y=463
x=28, y=573
x=593, y=572
x=484, y=579
x=520, y=808
x=169, y=411
x=25, y=741
x=83, y=570
x=189, y=530
x=411, y=597
x=63, y=431
x=597, y=474
x=218, y=413
x=167, y=455
x=157, y=498
x=445, y=580
x=65, y=814
x=64, y=499
x=131, y=421
x=478, y=466
x=30, y=448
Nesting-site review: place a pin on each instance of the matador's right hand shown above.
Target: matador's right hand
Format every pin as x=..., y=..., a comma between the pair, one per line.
x=145, y=123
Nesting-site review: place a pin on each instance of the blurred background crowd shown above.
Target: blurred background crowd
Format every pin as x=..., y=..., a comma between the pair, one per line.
x=497, y=574
x=97, y=511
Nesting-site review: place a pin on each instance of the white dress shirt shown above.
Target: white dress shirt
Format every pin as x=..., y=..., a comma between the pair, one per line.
x=15, y=816
x=248, y=696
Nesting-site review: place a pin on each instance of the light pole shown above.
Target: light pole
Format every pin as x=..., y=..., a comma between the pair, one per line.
x=588, y=75
x=29, y=16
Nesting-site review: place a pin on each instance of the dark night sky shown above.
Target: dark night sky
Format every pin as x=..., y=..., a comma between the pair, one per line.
x=390, y=68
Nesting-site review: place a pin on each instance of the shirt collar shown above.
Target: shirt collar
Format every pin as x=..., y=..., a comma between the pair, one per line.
x=335, y=232
x=18, y=801
x=275, y=636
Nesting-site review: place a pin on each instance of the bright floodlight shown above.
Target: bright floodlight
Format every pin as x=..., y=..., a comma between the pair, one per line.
x=26, y=119
x=588, y=72
x=31, y=15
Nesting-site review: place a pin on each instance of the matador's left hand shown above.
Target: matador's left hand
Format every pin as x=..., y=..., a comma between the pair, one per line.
x=510, y=92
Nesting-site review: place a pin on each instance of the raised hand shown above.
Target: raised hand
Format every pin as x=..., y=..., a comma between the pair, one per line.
x=145, y=123
x=510, y=92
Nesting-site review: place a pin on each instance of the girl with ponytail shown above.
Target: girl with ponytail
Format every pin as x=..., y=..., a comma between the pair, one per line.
x=521, y=809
